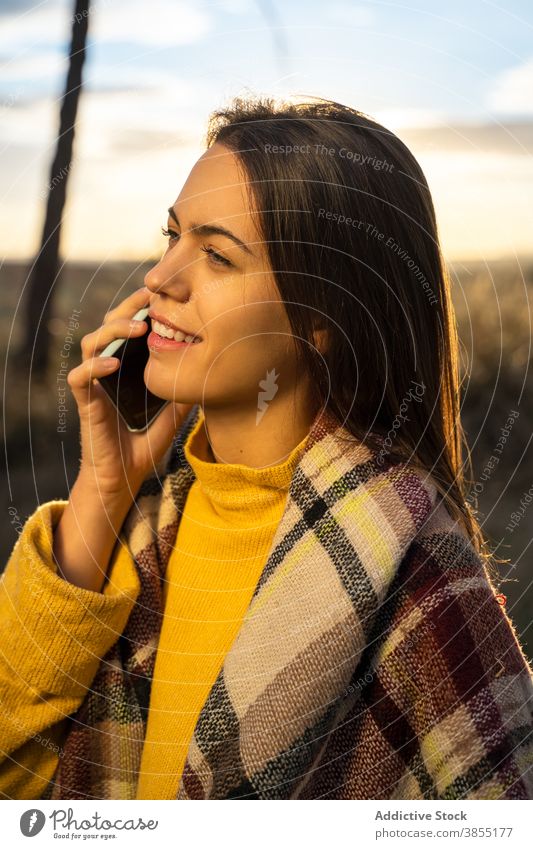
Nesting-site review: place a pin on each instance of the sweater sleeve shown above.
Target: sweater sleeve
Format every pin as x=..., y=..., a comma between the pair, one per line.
x=54, y=635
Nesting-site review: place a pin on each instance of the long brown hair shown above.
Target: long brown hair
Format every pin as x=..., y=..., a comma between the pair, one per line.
x=350, y=228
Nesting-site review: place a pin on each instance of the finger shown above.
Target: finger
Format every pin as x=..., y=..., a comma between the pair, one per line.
x=121, y=328
x=80, y=379
x=129, y=306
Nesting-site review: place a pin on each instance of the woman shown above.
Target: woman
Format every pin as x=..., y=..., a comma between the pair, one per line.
x=278, y=590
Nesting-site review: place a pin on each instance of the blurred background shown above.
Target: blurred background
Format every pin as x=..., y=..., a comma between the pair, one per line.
x=103, y=110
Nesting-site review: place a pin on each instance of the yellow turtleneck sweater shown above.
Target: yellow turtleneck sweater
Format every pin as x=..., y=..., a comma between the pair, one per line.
x=225, y=533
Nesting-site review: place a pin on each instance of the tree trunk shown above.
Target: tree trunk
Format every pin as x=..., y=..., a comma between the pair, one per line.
x=44, y=270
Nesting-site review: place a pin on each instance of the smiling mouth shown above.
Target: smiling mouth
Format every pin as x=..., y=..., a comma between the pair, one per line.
x=166, y=332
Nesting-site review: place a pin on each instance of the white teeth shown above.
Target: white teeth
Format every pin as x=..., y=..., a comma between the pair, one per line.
x=168, y=333
x=162, y=329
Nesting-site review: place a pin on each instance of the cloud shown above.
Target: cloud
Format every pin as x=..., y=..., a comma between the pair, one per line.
x=482, y=201
x=31, y=124
x=349, y=15
x=394, y=118
x=46, y=23
x=113, y=121
x=10, y=7
x=164, y=23
x=42, y=63
x=513, y=91
x=509, y=139
x=237, y=7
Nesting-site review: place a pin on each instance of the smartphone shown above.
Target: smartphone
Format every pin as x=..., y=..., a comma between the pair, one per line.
x=126, y=388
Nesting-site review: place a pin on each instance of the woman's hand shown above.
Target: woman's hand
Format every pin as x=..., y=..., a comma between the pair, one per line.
x=114, y=461
x=112, y=457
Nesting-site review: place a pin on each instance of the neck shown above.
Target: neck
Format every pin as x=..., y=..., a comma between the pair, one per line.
x=232, y=434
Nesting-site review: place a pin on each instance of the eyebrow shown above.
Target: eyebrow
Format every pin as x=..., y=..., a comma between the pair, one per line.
x=213, y=230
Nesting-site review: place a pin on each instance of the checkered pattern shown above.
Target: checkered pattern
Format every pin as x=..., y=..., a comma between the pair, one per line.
x=374, y=661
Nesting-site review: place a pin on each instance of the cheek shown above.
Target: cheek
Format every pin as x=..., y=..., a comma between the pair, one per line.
x=235, y=318
x=247, y=348
x=243, y=317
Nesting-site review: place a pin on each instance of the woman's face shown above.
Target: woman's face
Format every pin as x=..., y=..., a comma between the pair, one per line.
x=221, y=288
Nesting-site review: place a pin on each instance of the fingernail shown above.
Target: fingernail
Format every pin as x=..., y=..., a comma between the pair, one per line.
x=110, y=362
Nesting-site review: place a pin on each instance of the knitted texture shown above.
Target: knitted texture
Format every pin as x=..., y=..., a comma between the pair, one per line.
x=373, y=662
x=223, y=539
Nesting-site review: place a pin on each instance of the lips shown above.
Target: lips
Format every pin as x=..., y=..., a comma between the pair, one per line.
x=157, y=343
x=163, y=327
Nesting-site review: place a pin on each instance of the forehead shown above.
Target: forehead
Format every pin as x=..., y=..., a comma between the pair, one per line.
x=216, y=190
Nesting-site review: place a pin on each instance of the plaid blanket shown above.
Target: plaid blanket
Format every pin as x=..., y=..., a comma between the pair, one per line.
x=374, y=661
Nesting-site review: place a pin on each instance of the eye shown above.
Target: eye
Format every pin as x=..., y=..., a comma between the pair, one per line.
x=170, y=233
x=217, y=259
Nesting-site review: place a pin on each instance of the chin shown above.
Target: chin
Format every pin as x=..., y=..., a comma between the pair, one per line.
x=168, y=383
x=160, y=388
x=167, y=390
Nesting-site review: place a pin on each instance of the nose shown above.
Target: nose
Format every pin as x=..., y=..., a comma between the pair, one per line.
x=166, y=278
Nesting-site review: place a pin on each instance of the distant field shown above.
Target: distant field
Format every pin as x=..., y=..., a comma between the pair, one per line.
x=493, y=305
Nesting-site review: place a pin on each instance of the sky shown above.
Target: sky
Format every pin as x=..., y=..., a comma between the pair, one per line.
x=454, y=80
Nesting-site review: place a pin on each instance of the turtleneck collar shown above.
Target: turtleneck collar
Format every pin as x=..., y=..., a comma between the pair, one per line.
x=234, y=484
